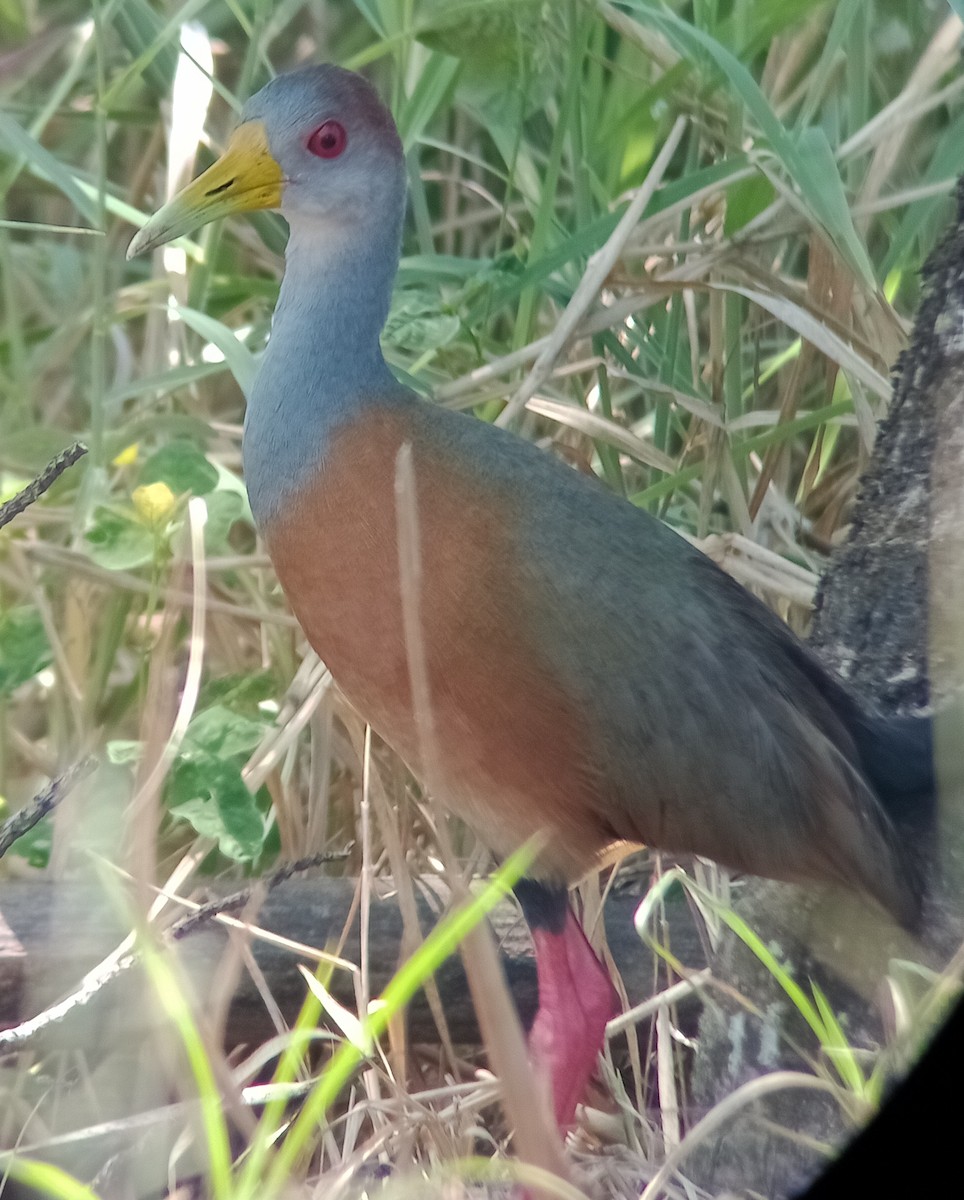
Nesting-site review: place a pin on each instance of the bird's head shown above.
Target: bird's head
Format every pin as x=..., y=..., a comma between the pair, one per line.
x=317, y=143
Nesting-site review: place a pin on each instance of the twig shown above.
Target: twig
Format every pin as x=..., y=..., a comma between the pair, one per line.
x=118, y=963
x=72, y=561
x=48, y=476
x=44, y=802
x=20, y=1035
x=597, y=271
x=238, y=900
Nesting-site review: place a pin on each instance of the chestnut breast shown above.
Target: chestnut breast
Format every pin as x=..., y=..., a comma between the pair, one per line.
x=505, y=746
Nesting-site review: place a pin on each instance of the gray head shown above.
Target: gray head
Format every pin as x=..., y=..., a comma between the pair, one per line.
x=336, y=144
x=317, y=143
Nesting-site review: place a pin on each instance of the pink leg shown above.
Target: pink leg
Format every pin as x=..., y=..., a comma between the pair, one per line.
x=576, y=999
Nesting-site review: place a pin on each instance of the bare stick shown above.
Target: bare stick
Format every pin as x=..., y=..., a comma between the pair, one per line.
x=597, y=270
x=48, y=476
x=241, y=899
x=43, y=803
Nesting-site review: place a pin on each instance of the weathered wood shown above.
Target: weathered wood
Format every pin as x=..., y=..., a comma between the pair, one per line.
x=62, y=930
x=890, y=599
x=873, y=609
x=13, y=971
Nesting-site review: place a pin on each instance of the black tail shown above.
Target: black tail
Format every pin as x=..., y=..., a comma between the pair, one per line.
x=897, y=756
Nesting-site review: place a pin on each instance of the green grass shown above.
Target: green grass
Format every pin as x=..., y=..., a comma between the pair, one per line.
x=726, y=377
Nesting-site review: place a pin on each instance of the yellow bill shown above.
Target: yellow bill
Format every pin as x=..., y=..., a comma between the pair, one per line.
x=244, y=178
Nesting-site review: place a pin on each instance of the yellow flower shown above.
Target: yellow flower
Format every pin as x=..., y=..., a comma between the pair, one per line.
x=154, y=503
x=127, y=456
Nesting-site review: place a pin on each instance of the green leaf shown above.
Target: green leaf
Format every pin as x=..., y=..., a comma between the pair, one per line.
x=836, y=1046
x=416, y=324
x=123, y=752
x=224, y=508
x=746, y=199
x=435, y=80
x=24, y=649
x=182, y=466
x=239, y=358
x=244, y=690
x=815, y=163
x=118, y=541
x=30, y=449
x=43, y=163
x=221, y=733
x=257, y=1178
x=833, y=49
x=920, y=223
x=35, y=845
x=14, y=23
x=432, y=268
x=155, y=386
x=806, y=158
x=206, y=787
x=44, y=1179
x=506, y=47
x=212, y=797
x=153, y=45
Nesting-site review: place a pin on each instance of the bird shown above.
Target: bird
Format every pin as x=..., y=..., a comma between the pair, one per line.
x=578, y=670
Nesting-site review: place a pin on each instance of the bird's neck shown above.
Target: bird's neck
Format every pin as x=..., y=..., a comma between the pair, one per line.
x=323, y=363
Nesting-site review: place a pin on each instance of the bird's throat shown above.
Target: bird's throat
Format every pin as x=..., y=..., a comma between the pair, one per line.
x=323, y=363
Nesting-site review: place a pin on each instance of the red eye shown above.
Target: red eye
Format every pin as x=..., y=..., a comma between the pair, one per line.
x=328, y=140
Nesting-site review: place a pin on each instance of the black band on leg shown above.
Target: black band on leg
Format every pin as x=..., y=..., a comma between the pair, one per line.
x=543, y=907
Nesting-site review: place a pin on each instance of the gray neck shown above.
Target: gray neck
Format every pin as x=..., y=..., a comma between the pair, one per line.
x=323, y=363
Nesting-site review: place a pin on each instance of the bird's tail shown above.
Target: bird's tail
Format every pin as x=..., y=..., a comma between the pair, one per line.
x=897, y=756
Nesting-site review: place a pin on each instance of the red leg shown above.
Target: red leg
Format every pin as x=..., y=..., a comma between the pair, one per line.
x=576, y=999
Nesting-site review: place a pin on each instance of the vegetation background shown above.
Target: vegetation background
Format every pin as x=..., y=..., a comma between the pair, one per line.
x=726, y=372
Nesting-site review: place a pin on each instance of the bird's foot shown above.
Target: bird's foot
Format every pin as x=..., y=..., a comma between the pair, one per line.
x=576, y=1000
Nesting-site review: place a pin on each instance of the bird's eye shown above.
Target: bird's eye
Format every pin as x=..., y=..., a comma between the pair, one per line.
x=328, y=140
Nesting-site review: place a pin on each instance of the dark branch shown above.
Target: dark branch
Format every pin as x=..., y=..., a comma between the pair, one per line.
x=44, y=802
x=47, y=477
x=241, y=899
